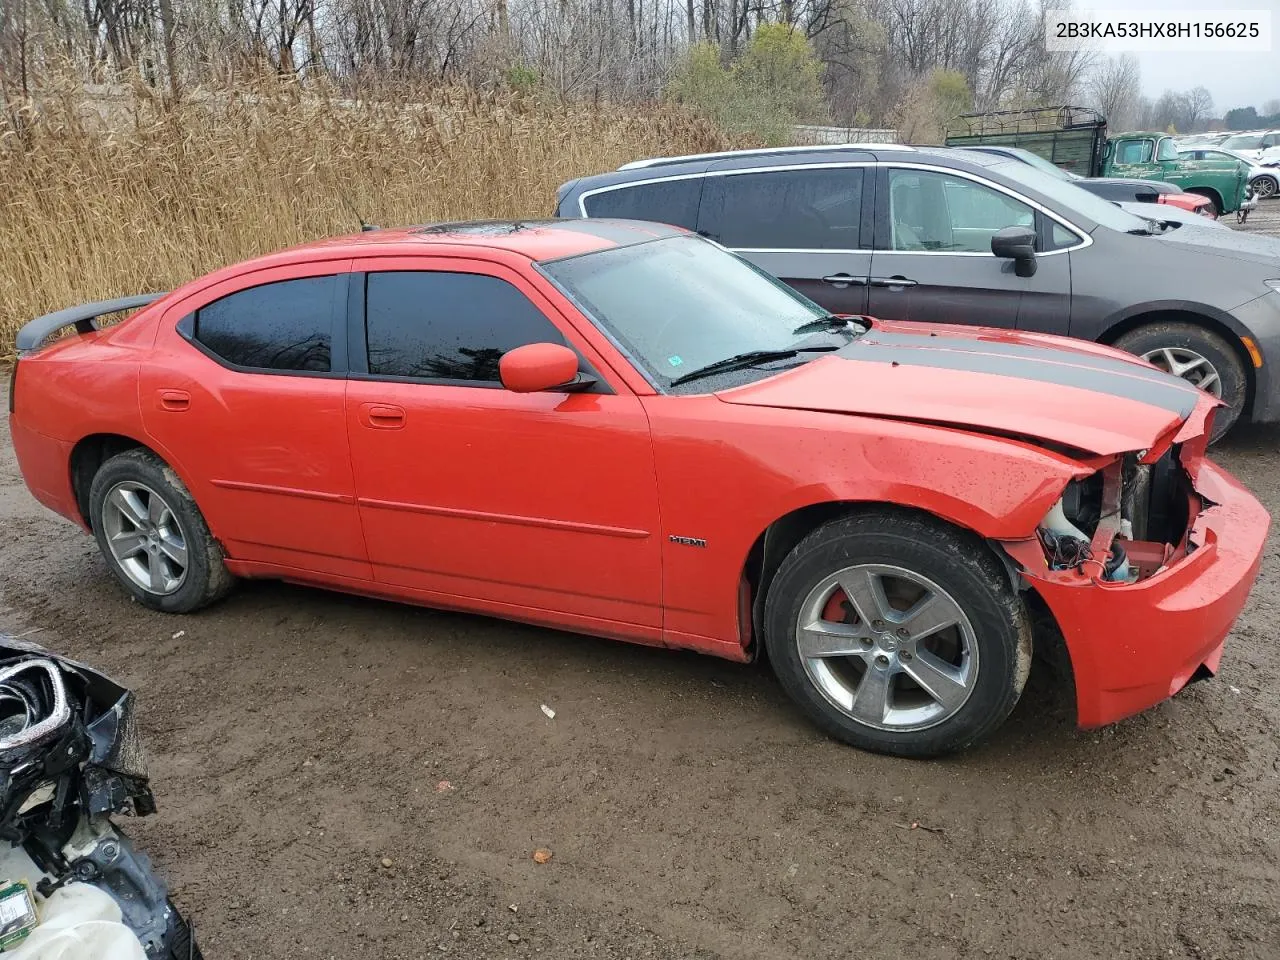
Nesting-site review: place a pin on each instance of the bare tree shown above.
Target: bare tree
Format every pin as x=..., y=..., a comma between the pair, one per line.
x=1114, y=89
x=1195, y=106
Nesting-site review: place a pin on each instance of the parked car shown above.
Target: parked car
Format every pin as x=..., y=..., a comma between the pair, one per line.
x=1115, y=189
x=1076, y=139
x=1258, y=146
x=1264, y=180
x=920, y=234
x=622, y=429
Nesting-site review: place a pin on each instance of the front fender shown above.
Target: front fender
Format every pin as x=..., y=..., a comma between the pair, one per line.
x=726, y=473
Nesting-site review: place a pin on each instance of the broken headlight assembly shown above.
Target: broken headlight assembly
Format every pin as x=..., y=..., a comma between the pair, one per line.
x=69, y=759
x=1122, y=523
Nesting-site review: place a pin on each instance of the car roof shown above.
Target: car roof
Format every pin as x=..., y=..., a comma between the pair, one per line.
x=661, y=168
x=539, y=240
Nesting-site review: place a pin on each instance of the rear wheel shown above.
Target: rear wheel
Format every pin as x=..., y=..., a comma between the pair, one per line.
x=1201, y=357
x=153, y=536
x=898, y=634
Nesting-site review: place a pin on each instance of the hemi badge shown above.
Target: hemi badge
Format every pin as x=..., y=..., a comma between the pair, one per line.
x=688, y=541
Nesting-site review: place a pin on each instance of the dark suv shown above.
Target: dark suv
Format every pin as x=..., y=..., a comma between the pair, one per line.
x=946, y=236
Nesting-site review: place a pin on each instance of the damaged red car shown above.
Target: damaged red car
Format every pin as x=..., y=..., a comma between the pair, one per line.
x=622, y=429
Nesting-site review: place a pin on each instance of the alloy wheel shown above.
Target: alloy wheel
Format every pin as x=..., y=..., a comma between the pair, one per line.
x=1189, y=365
x=888, y=647
x=1265, y=187
x=145, y=538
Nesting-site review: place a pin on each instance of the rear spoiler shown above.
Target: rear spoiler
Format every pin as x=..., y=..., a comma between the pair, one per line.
x=82, y=318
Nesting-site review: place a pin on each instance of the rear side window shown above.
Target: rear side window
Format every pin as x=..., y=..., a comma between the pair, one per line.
x=784, y=209
x=434, y=325
x=668, y=201
x=277, y=326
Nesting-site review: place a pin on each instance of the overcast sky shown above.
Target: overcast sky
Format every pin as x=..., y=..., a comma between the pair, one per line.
x=1234, y=79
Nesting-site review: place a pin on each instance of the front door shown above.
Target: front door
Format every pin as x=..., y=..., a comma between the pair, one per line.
x=805, y=226
x=522, y=502
x=933, y=259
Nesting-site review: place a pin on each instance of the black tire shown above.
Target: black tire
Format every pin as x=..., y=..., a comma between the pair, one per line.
x=206, y=577
x=1208, y=344
x=958, y=563
x=1272, y=186
x=1215, y=205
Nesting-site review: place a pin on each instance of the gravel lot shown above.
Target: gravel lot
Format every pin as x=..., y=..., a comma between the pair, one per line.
x=298, y=738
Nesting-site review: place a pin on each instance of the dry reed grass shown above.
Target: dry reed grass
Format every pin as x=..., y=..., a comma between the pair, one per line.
x=154, y=196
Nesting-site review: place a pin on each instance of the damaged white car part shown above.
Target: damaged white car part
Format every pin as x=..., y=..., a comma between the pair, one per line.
x=69, y=760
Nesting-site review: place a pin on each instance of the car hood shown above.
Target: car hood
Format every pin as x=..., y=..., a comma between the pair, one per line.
x=1068, y=393
x=1230, y=243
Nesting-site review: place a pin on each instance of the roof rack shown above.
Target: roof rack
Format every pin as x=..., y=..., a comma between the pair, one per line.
x=763, y=151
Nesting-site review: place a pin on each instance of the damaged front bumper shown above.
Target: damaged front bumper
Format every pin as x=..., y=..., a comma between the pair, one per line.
x=1134, y=644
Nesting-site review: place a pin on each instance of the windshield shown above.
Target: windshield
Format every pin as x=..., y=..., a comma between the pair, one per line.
x=682, y=303
x=1070, y=196
x=1244, y=142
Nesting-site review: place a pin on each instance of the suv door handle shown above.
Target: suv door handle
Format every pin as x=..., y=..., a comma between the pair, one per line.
x=175, y=401
x=891, y=282
x=844, y=280
x=382, y=416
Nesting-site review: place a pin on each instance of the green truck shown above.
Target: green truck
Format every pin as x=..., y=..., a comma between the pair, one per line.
x=1075, y=139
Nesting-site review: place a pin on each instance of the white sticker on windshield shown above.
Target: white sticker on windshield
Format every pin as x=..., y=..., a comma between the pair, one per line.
x=674, y=361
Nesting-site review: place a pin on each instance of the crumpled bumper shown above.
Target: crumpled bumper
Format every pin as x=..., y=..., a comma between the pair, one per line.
x=1134, y=645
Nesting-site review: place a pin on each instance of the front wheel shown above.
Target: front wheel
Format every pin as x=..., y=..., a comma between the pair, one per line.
x=898, y=634
x=1199, y=356
x=1265, y=186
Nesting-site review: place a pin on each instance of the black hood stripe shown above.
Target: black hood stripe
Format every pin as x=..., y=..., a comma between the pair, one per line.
x=1026, y=351
x=1166, y=392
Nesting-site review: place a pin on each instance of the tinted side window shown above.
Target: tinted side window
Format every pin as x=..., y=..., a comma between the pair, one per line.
x=447, y=326
x=278, y=326
x=669, y=201
x=785, y=209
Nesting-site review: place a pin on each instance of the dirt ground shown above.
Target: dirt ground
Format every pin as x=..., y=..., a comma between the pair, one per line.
x=298, y=738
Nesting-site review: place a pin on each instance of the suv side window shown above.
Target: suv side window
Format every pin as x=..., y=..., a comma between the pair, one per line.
x=433, y=325
x=815, y=209
x=939, y=212
x=287, y=325
x=665, y=201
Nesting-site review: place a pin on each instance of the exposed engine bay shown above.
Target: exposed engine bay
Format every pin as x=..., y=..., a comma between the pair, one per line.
x=71, y=884
x=1126, y=521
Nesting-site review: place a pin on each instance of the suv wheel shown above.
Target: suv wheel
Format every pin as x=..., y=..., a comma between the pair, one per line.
x=898, y=634
x=1200, y=357
x=152, y=534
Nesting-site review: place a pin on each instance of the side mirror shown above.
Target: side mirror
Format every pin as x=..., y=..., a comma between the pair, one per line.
x=540, y=366
x=1019, y=245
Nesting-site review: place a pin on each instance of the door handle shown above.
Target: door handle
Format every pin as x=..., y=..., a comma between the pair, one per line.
x=175, y=401
x=891, y=282
x=382, y=416
x=844, y=280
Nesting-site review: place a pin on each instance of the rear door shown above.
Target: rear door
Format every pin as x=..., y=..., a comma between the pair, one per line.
x=246, y=390
x=933, y=259
x=810, y=226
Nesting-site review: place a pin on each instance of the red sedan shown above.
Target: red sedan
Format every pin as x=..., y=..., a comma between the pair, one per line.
x=622, y=429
